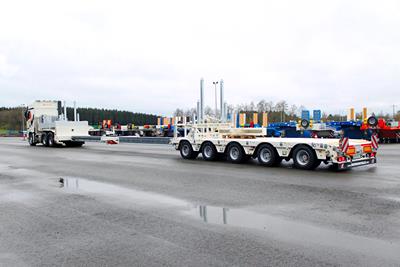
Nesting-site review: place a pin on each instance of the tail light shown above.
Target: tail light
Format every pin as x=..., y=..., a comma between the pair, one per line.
x=351, y=150
x=367, y=149
x=340, y=159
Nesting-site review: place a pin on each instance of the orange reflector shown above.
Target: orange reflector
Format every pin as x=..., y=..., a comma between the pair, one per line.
x=367, y=149
x=351, y=150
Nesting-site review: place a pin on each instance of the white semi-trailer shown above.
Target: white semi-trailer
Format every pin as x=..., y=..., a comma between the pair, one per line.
x=48, y=124
x=223, y=141
x=216, y=139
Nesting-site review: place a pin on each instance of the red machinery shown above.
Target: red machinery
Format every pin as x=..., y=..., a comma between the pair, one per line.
x=388, y=132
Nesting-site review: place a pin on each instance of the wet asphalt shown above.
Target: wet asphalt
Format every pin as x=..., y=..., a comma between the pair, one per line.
x=142, y=205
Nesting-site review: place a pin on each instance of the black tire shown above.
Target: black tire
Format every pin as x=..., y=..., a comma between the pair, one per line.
x=304, y=123
x=304, y=158
x=209, y=152
x=31, y=140
x=267, y=155
x=50, y=140
x=235, y=153
x=186, y=150
x=44, y=140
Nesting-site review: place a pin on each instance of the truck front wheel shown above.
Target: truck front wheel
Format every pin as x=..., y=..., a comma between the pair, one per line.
x=31, y=139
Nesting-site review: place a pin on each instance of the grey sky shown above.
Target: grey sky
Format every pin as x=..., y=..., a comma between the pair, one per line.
x=149, y=55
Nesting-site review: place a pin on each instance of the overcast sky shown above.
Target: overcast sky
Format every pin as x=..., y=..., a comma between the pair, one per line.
x=149, y=56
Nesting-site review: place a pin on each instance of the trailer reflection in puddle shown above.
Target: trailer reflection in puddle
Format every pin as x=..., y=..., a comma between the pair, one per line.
x=233, y=217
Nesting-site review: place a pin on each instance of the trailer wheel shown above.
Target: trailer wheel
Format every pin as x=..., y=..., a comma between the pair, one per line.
x=31, y=140
x=209, y=152
x=236, y=153
x=186, y=150
x=304, y=158
x=267, y=155
x=44, y=140
x=50, y=139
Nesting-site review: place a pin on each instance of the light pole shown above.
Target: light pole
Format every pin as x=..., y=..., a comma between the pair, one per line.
x=216, y=102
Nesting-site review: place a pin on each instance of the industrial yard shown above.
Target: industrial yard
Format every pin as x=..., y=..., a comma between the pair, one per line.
x=199, y=133
x=142, y=204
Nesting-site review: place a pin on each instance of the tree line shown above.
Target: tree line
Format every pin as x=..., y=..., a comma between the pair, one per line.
x=13, y=118
x=95, y=116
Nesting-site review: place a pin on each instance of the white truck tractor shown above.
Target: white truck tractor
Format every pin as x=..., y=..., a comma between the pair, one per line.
x=48, y=124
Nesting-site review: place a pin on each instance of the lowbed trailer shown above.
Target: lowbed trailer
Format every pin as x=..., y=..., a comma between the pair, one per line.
x=223, y=141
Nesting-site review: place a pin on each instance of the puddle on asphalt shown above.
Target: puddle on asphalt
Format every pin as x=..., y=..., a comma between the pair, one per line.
x=280, y=228
x=83, y=186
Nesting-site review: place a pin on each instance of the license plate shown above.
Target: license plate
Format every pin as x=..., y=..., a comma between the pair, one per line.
x=355, y=164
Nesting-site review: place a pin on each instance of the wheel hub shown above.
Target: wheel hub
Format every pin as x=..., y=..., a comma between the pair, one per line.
x=208, y=151
x=234, y=153
x=185, y=150
x=303, y=157
x=265, y=155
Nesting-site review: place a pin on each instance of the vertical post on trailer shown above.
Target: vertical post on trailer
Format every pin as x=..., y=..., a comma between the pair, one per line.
x=225, y=117
x=197, y=113
x=184, y=123
x=201, y=100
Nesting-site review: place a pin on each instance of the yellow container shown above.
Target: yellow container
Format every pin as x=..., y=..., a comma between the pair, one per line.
x=265, y=119
x=255, y=118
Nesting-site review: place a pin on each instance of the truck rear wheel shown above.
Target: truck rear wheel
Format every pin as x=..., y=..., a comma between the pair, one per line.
x=186, y=150
x=44, y=140
x=304, y=158
x=50, y=139
x=209, y=152
x=267, y=156
x=235, y=153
